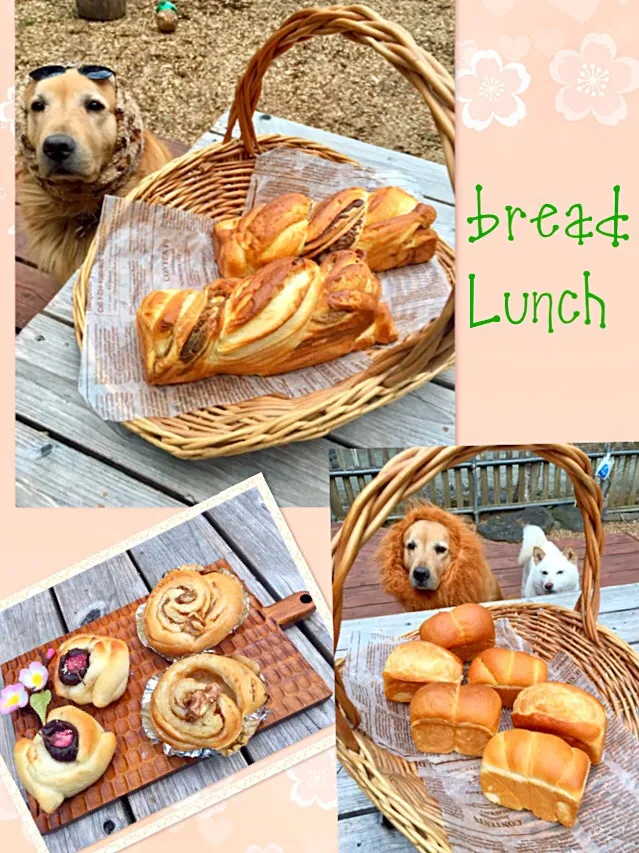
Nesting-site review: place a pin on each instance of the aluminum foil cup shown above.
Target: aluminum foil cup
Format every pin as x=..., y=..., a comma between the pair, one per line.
x=249, y=727
x=139, y=618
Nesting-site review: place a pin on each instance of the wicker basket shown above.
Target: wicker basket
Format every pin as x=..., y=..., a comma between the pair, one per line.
x=391, y=783
x=214, y=181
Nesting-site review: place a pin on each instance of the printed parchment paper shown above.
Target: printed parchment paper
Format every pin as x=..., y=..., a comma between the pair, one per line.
x=608, y=820
x=142, y=247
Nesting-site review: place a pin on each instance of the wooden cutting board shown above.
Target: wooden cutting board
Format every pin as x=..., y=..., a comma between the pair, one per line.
x=293, y=686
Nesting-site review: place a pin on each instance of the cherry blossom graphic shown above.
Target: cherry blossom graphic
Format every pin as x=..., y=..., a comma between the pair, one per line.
x=490, y=90
x=464, y=52
x=594, y=80
x=315, y=781
x=8, y=111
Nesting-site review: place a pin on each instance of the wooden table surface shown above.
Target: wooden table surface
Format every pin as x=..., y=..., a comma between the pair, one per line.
x=361, y=826
x=241, y=531
x=67, y=456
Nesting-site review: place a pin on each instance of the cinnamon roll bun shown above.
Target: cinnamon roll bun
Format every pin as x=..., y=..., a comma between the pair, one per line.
x=190, y=610
x=203, y=701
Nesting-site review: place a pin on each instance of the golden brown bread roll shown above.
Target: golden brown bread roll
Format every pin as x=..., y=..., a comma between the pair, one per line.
x=507, y=672
x=566, y=711
x=465, y=630
x=454, y=718
x=190, y=610
x=201, y=702
x=67, y=755
x=289, y=315
x=411, y=665
x=92, y=669
x=534, y=771
x=392, y=226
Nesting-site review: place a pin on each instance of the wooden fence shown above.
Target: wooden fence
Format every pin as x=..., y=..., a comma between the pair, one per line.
x=491, y=482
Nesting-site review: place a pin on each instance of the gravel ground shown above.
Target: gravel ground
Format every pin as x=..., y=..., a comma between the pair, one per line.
x=184, y=81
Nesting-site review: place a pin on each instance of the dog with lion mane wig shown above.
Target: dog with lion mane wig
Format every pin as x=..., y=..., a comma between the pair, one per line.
x=432, y=559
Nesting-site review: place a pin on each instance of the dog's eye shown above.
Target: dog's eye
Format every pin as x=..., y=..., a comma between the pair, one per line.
x=440, y=549
x=95, y=106
x=37, y=107
x=544, y=573
x=560, y=572
x=411, y=546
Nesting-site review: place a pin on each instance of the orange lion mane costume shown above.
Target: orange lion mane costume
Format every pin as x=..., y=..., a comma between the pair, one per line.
x=468, y=578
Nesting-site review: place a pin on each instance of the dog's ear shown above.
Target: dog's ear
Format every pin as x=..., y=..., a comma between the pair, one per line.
x=538, y=554
x=570, y=554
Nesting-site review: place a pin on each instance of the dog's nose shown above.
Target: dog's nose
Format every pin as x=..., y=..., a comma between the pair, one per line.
x=58, y=147
x=549, y=586
x=421, y=575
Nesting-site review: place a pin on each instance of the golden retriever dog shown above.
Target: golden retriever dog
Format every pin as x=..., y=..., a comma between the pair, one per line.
x=431, y=559
x=82, y=139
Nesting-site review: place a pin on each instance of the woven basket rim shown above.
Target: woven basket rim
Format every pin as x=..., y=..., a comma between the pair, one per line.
x=396, y=370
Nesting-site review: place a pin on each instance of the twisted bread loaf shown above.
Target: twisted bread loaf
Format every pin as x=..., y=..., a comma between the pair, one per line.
x=67, y=755
x=390, y=225
x=291, y=314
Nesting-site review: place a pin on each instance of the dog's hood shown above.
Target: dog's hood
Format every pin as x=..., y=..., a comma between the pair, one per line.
x=124, y=163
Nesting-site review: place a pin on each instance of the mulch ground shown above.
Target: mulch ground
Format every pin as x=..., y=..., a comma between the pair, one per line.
x=184, y=81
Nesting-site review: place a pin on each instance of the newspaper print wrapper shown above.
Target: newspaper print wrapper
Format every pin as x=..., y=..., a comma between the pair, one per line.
x=608, y=819
x=250, y=725
x=139, y=614
x=143, y=247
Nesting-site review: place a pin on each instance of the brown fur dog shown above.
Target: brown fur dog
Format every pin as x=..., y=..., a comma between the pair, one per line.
x=432, y=559
x=82, y=139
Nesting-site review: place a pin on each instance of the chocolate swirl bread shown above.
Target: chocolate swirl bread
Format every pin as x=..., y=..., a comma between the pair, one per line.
x=289, y=315
x=389, y=224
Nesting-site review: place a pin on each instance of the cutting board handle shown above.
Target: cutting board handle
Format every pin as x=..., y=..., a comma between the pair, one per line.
x=292, y=609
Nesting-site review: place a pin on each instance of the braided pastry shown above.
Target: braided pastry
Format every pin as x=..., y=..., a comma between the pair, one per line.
x=189, y=610
x=291, y=314
x=390, y=225
x=91, y=669
x=201, y=702
x=67, y=755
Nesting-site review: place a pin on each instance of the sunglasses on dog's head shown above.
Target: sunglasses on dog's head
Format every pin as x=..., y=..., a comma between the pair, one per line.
x=92, y=72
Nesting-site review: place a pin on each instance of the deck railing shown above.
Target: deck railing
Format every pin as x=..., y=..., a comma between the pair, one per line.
x=493, y=482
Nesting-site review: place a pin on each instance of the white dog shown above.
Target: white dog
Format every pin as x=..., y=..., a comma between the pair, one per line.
x=546, y=569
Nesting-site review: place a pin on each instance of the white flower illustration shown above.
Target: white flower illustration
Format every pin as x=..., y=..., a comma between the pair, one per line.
x=594, y=80
x=490, y=89
x=464, y=52
x=315, y=781
x=8, y=111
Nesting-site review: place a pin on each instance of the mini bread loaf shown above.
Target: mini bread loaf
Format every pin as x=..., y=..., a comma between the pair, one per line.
x=411, y=665
x=566, y=711
x=465, y=630
x=534, y=771
x=507, y=672
x=454, y=718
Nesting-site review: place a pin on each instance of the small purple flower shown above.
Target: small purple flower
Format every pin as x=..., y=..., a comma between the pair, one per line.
x=50, y=653
x=34, y=676
x=12, y=697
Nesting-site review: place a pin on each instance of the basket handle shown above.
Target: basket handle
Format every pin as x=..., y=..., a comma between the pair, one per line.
x=409, y=471
x=364, y=26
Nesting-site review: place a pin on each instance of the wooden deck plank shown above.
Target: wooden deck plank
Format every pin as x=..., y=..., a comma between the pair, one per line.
x=47, y=365
x=262, y=548
x=364, y=595
x=367, y=832
x=23, y=627
x=196, y=540
x=432, y=176
x=33, y=291
x=52, y=474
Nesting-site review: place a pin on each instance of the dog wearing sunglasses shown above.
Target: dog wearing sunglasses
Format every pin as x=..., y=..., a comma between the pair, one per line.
x=82, y=138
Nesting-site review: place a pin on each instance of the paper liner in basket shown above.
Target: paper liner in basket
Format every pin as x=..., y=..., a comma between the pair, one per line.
x=608, y=819
x=139, y=613
x=143, y=247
